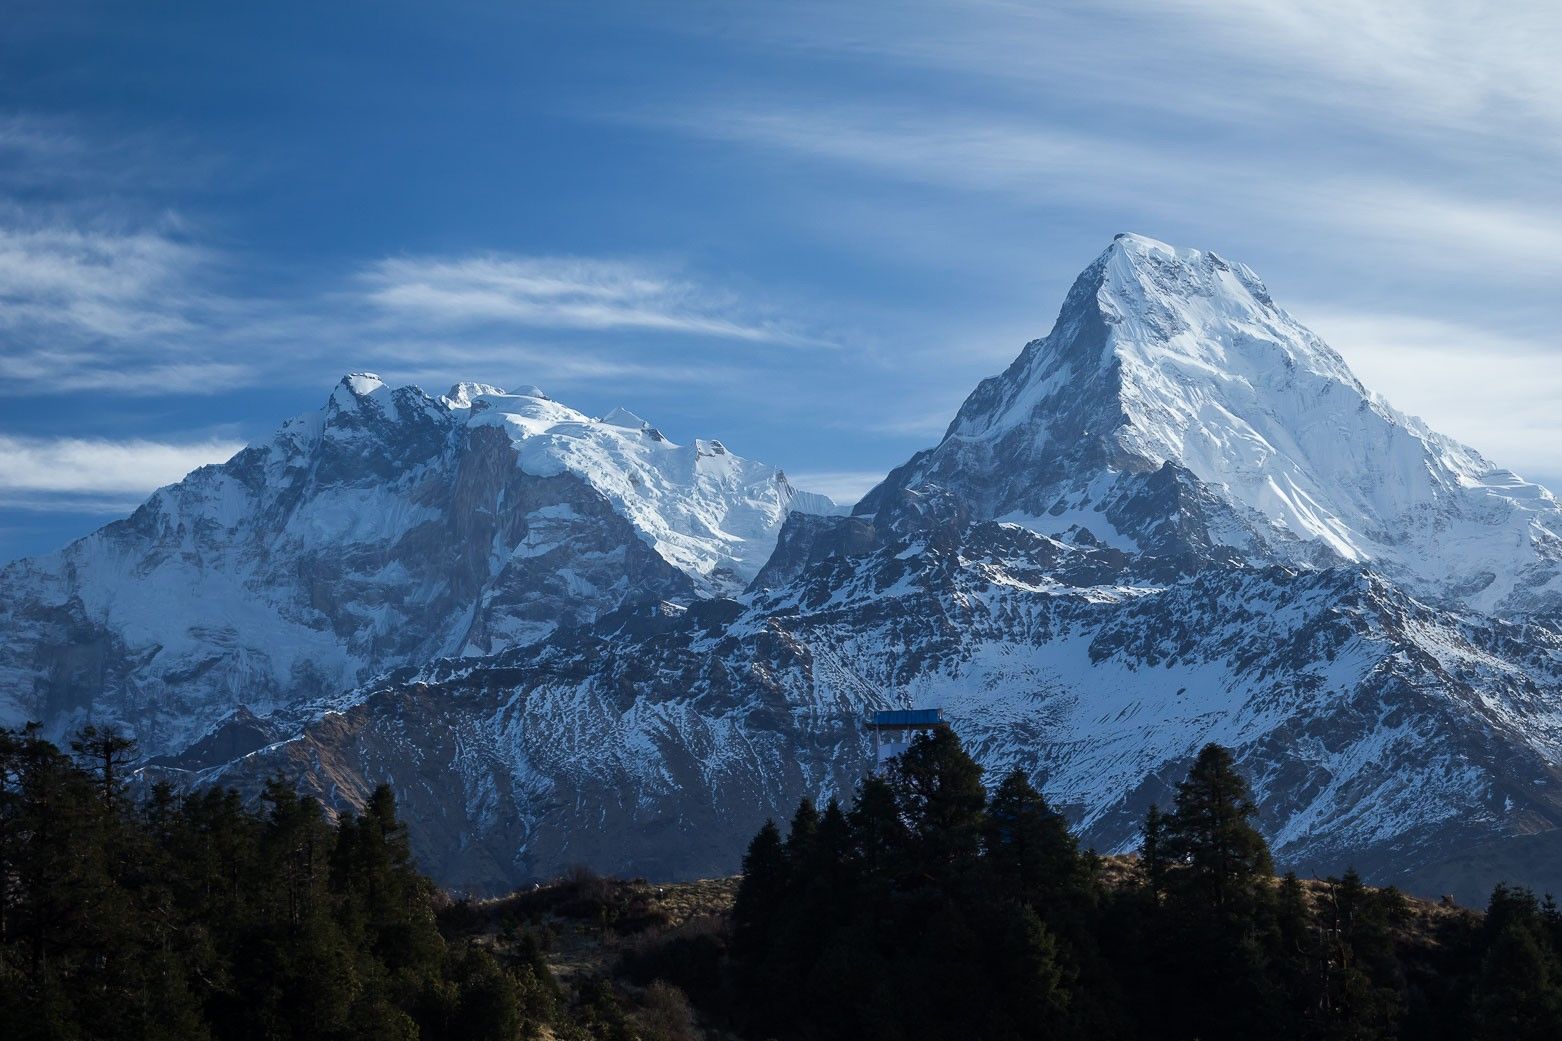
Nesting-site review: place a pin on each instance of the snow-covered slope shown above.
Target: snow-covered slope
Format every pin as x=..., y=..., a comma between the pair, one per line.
x=1177, y=355
x=1378, y=731
x=1177, y=518
x=387, y=527
x=711, y=514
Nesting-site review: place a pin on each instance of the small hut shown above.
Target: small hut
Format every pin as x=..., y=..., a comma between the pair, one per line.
x=893, y=729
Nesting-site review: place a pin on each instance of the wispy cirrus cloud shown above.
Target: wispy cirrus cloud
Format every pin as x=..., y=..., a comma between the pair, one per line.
x=102, y=291
x=1402, y=67
x=94, y=284
x=559, y=293
x=97, y=292
x=94, y=473
x=101, y=286
x=551, y=364
x=90, y=307
x=1031, y=163
x=135, y=312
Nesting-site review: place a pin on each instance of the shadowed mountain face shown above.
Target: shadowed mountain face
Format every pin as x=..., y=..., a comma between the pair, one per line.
x=1177, y=518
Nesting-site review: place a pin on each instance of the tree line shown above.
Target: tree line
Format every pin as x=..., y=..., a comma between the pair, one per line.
x=928, y=908
x=200, y=917
x=931, y=909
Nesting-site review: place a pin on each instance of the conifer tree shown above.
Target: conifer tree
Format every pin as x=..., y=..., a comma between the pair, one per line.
x=1211, y=833
x=487, y=1006
x=832, y=872
x=1030, y=849
x=879, y=836
x=1152, y=849
x=1214, y=935
x=1298, y=956
x=107, y=752
x=939, y=791
x=1515, y=995
x=762, y=887
x=1035, y=977
x=1518, y=987
x=800, y=836
x=756, y=914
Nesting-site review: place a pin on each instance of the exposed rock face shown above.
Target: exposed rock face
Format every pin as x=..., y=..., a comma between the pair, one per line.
x=1378, y=731
x=386, y=529
x=1177, y=518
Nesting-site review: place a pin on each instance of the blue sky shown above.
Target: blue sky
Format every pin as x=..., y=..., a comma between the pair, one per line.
x=806, y=229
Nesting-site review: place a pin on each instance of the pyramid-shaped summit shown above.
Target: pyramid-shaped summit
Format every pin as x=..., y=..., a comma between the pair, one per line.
x=1163, y=355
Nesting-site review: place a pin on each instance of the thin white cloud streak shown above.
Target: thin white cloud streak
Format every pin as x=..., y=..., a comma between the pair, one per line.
x=1397, y=66
x=1426, y=132
x=1447, y=232
x=71, y=473
x=45, y=502
x=101, y=301
x=128, y=313
x=55, y=158
x=68, y=372
x=83, y=307
x=927, y=423
x=844, y=486
x=34, y=141
x=101, y=287
x=431, y=364
x=96, y=284
x=1480, y=67
x=1034, y=164
x=1494, y=392
x=556, y=293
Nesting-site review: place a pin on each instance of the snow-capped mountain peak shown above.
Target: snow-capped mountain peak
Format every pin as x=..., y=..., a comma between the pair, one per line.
x=622, y=417
x=363, y=383
x=384, y=527
x=1206, y=311
x=355, y=389
x=1163, y=355
x=709, y=512
x=462, y=394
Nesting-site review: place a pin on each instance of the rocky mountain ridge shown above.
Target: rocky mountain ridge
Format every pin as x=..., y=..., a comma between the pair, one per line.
x=1177, y=518
x=1163, y=355
x=384, y=529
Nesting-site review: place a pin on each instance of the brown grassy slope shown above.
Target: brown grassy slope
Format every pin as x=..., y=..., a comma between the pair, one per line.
x=587, y=922
x=590, y=926
x=1423, y=920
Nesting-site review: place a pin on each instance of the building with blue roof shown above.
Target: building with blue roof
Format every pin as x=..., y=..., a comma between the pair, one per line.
x=894, y=729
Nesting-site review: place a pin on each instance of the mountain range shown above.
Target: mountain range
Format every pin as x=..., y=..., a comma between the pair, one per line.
x=1176, y=518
